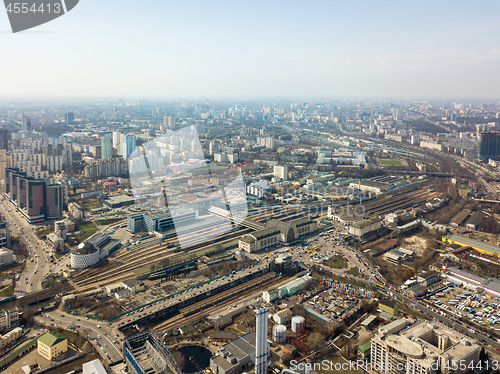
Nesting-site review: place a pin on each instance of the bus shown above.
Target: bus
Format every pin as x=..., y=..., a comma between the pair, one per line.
x=380, y=286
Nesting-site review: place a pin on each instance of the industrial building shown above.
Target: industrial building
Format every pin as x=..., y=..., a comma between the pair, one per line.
x=397, y=256
x=289, y=288
x=425, y=347
x=144, y=352
x=93, y=367
x=276, y=232
x=249, y=351
x=479, y=246
x=474, y=282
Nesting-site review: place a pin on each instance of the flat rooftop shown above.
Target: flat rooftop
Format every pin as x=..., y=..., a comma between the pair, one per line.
x=169, y=213
x=404, y=345
x=475, y=244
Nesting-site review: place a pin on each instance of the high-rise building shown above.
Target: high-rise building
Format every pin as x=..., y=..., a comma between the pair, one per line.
x=4, y=138
x=26, y=124
x=213, y=147
x=169, y=123
x=69, y=118
x=106, y=147
x=117, y=141
x=36, y=199
x=128, y=145
x=281, y=172
x=489, y=145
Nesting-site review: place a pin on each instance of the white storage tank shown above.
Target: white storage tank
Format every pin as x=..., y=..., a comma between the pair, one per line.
x=298, y=322
x=279, y=333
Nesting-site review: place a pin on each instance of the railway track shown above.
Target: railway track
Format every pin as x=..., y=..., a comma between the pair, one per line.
x=180, y=320
x=121, y=267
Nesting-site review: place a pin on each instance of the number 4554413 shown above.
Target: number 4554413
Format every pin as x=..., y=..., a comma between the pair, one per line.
x=26, y=8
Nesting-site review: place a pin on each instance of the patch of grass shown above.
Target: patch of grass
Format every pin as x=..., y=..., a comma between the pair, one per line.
x=212, y=169
x=336, y=263
x=109, y=221
x=353, y=271
x=43, y=232
x=390, y=162
x=7, y=291
x=86, y=226
x=59, y=256
x=88, y=233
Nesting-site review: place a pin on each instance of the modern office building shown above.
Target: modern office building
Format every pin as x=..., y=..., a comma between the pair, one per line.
x=26, y=124
x=488, y=145
x=96, y=248
x=160, y=221
x=36, y=199
x=106, y=147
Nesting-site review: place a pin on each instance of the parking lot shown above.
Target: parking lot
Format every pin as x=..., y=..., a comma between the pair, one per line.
x=479, y=308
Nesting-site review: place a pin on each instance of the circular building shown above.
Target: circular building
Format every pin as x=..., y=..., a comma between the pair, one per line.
x=84, y=255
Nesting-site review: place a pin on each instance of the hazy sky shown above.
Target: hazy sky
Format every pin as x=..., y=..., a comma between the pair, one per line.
x=160, y=48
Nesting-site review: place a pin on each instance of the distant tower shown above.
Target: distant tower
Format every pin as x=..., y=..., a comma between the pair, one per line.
x=106, y=147
x=261, y=350
x=69, y=118
x=26, y=125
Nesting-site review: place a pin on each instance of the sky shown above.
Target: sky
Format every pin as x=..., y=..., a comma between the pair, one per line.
x=210, y=49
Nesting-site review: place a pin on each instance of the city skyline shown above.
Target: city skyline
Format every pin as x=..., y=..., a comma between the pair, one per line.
x=259, y=50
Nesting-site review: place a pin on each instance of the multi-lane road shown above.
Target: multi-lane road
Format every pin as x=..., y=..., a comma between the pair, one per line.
x=107, y=335
x=32, y=276
x=447, y=319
